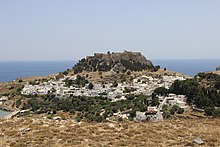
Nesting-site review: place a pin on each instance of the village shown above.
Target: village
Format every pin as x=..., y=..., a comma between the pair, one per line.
x=144, y=85
x=140, y=85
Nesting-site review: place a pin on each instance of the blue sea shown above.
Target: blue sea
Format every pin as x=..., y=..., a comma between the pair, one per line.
x=189, y=67
x=12, y=70
x=4, y=113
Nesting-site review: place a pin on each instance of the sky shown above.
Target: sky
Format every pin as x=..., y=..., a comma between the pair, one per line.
x=72, y=29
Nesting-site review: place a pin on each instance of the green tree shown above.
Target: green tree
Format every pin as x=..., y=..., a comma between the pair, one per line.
x=155, y=101
x=18, y=102
x=161, y=91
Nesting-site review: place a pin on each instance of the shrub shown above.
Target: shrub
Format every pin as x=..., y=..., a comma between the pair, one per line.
x=209, y=111
x=115, y=84
x=20, y=81
x=18, y=102
x=90, y=86
x=216, y=113
x=180, y=111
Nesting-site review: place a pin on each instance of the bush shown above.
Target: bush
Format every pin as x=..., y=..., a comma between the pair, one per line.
x=156, y=68
x=217, y=84
x=90, y=86
x=209, y=111
x=176, y=109
x=133, y=113
x=65, y=73
x=20, y=81
x=216, y=113
x=120, y=119
x=115, y=84
x=180, y=111
x=128, y=72
x=18, y=103
x=155, y=101
x=73, y=112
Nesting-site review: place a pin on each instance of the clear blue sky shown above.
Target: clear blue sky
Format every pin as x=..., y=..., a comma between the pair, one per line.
x=71, y=29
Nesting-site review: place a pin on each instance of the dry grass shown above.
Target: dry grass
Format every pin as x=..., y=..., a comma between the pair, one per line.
x=39, y=132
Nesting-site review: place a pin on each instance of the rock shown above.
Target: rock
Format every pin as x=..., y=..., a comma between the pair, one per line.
x=28, y=129
x=45, y=125
x=140, y=116
x=118, y=68
x=112, y=126
x=23, y=130
x=57, y=118
x=198, y=141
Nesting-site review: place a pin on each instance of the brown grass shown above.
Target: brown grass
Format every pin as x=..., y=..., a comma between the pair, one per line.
x=69, y=133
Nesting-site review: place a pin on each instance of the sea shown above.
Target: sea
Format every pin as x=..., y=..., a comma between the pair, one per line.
x=13, y=70
x=189, y=67
x=4, y=113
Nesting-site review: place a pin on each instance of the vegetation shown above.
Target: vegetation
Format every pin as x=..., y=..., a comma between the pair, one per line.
x=90, y=86
x=87, y=108
x=94, y=65
x=156, y=68
x=202, y=91
x=103, y=65
x=44, y=132
x=134, y=66
x=161, y=91
x=80, y=81
x=18, y=103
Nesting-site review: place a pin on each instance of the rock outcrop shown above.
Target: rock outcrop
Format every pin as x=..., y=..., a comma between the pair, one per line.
x=117, y=57
x=133, y=61
x=118, y=68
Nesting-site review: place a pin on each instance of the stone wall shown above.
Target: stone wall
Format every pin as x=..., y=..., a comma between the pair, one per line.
x=126, y=55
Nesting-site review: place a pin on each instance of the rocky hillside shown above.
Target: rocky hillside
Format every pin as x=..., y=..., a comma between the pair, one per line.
x=118, y=62
x=203, y=91
x=45, y=132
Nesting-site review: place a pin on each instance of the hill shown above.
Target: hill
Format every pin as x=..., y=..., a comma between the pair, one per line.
x=201, y=91
x=117, y=62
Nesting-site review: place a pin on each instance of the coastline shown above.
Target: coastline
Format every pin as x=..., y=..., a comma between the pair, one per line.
x=6, y=109
x=6, y=112
x=11, y=114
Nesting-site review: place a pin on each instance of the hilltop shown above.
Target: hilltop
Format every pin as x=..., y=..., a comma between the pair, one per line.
x=118, y=62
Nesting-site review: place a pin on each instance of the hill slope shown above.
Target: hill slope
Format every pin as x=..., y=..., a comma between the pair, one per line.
x=119, y=62
x=35, y=132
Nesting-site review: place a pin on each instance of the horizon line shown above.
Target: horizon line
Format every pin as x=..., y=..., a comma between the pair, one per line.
x=81, y=58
